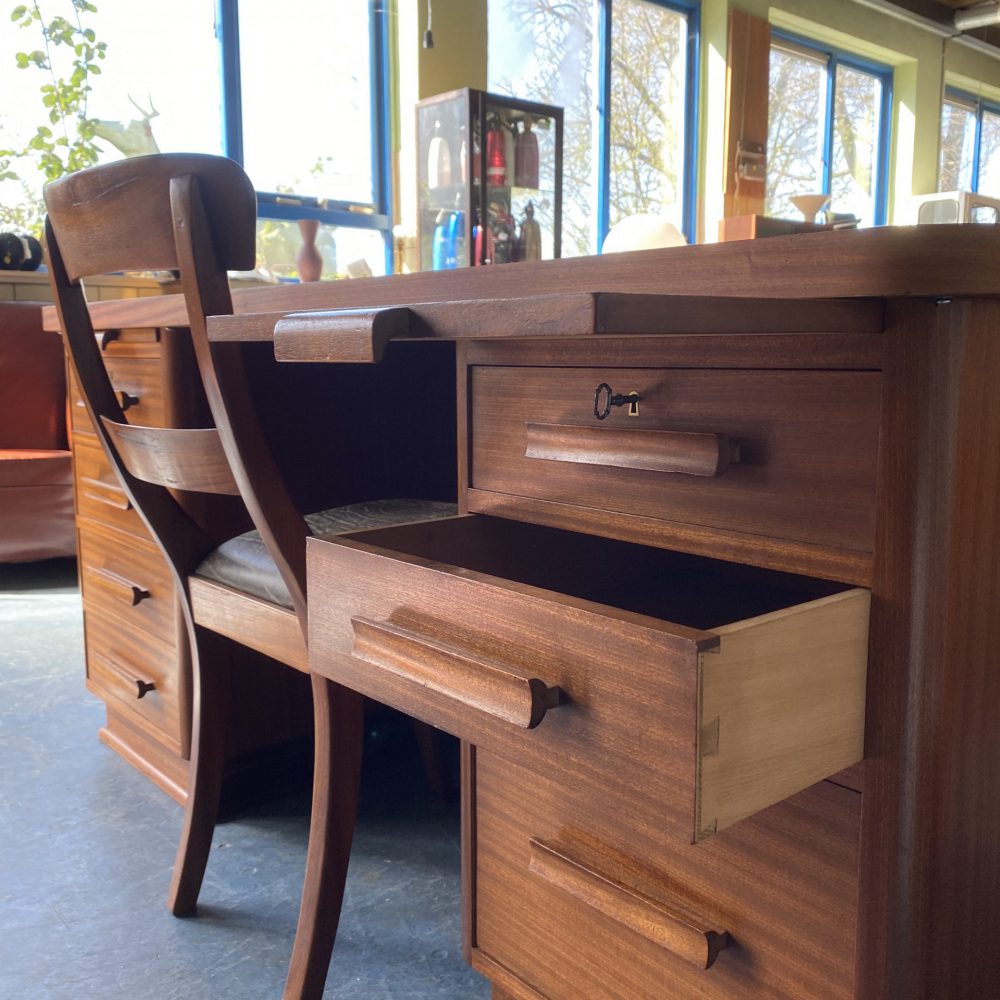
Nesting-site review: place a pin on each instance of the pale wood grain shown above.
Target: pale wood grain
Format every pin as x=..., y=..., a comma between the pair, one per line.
x=782, y=705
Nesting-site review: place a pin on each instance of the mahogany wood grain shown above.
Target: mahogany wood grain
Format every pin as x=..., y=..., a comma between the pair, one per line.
x=84, y=203
x=807, y=440
x=253, y=622
x=181, y=458
x=472, y=647
x=782, y=884
x=659, y=921
x=352, y=335
x=814, y=351
x=883, y=262
x=483, y=684
x=166, y=769
x=831, y=562
x=118, y=658
x=211, y=703
x=361, y=335
x=930, y=876
x=339, y=740
x=126, y=576
x=682, y=452
x=99, y=494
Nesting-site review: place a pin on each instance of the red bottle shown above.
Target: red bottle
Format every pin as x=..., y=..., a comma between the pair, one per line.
x=496, y=163
x=526, y=158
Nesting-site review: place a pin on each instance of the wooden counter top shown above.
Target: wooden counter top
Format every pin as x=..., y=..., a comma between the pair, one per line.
x=925, y=261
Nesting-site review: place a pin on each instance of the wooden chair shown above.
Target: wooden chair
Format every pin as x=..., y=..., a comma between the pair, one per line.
x=197, y=214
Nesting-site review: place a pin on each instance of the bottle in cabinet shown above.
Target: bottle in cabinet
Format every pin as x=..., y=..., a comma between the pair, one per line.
x=490, y=180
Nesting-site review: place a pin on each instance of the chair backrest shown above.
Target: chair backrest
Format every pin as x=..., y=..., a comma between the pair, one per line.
x=195, y=214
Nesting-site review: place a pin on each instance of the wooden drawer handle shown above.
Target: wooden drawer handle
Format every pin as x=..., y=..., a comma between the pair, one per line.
x=127, y=399
x=127, y=591
x=142, y=687
x=691, y=454
x=481, y=683
x=679, y=933
x=110, y=496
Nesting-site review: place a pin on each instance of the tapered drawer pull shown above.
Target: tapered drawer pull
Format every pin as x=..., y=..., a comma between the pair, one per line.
x=127, y=400
x=142, y=687
x=692, y=454
x=476, y=681
x=677, y=932
x=110, y=496
x=129, y=592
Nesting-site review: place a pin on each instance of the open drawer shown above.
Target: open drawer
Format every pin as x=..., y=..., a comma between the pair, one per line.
x=706, y=690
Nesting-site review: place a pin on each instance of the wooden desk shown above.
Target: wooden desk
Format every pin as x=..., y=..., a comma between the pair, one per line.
x=868, y=458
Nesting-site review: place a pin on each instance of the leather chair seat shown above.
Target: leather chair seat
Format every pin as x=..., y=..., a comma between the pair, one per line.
x=243, y=562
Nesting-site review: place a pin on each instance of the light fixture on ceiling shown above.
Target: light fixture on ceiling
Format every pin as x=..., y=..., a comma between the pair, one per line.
x=980, y=15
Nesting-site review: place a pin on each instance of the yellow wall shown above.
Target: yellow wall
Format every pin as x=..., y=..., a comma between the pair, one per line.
x=923, y=62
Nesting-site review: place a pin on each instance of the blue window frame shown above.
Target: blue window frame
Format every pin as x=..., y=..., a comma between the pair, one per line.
x=830, y=131
x=372, y=214
x=691, y=11
x=970, y=144
x=578, y=55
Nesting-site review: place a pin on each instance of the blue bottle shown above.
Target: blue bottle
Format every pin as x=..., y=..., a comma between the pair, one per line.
x=456, y=240
x=439, y=252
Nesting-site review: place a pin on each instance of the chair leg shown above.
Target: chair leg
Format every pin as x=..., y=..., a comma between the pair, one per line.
x=339, y=738
x=211, y=668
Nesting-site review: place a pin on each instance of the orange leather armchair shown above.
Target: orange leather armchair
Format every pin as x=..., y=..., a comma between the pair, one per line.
x=36, y=470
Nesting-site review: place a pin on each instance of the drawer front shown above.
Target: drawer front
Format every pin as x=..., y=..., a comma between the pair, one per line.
x=784, y=454
x=587, y=691
x=574, y=897
x=137, y=672
x=127, y=578
x=138, y=385
x=99, y=494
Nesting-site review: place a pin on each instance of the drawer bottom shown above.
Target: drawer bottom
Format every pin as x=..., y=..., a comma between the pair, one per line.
x=574, y=899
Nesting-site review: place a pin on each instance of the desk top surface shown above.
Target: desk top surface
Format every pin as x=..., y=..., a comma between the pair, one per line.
x=925, y=261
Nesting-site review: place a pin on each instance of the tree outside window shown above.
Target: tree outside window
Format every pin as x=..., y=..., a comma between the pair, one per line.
x=970, y=145
x=623, y=154
x=828, y=123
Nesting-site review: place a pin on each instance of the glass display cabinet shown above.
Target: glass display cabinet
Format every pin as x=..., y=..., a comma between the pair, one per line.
x=489, y=175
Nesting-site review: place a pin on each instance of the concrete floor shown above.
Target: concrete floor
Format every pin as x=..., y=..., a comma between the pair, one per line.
x=86, y=846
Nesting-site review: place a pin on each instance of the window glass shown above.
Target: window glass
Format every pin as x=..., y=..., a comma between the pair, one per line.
x=146, y=100
x=989, y=155
x=958, y=141
x=857, y=104
x=544, y=51
x=144, y=97
x=306, y=89
x=796, y=128
x=648, y=75
x=341, y=251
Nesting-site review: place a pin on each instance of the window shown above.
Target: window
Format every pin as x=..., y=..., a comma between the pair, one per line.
x=625, y=75
x=828, y=130
x=306, y=113
x=299, y=99
x=970, y=145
